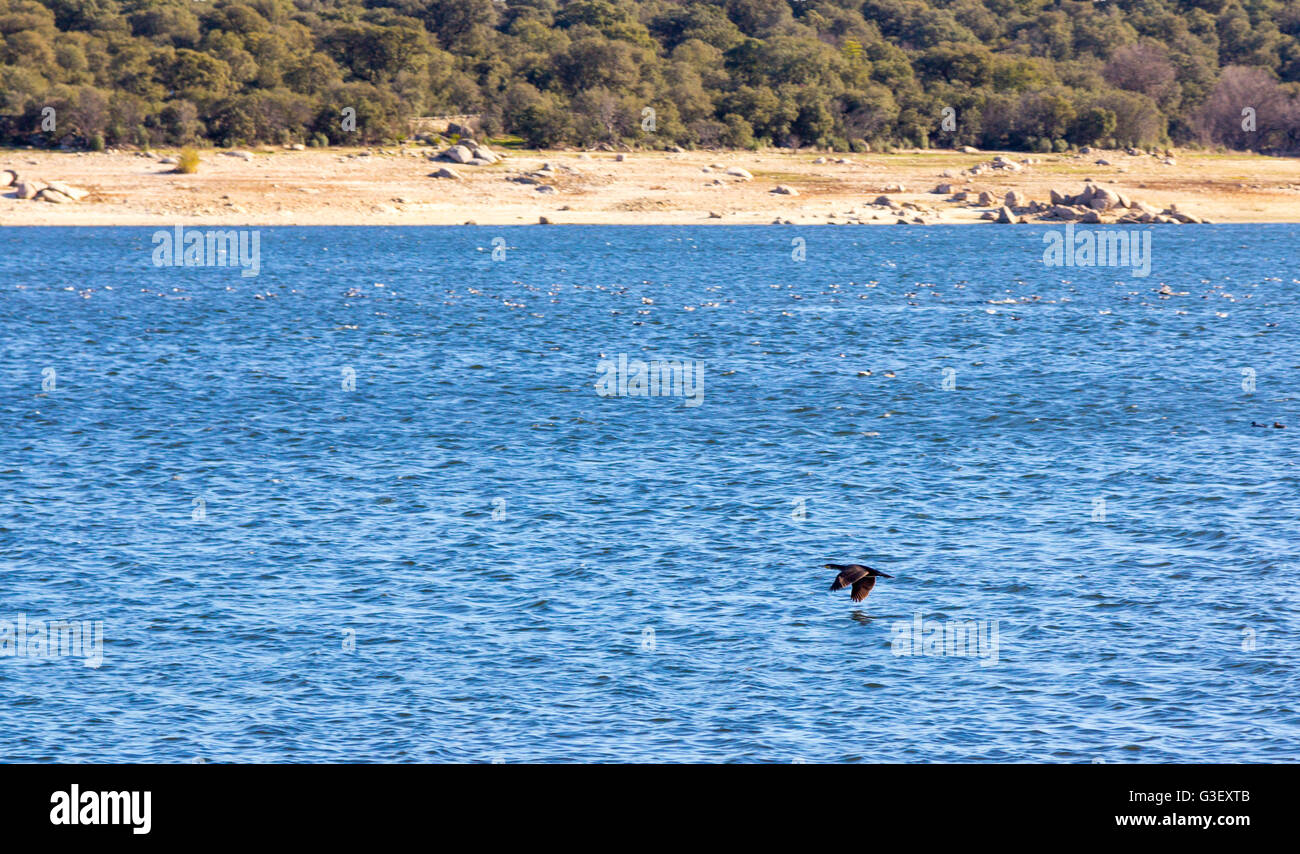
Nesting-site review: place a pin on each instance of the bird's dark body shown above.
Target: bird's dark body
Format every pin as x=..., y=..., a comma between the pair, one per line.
x=863, y=578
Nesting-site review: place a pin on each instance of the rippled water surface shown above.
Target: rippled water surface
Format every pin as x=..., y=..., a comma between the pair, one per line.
x=473, y=556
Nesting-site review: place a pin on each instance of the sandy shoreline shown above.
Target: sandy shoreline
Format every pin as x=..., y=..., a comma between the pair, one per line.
x=393, y=187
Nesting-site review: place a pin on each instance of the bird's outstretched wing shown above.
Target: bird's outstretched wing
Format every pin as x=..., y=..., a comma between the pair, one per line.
x=862, y=588
x=849, y=573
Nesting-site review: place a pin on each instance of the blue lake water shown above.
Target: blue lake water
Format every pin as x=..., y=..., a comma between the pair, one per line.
x=369, y=506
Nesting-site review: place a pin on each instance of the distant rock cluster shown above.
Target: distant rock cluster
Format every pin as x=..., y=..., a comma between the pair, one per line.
x=1000, y=163
x=1093, y=205
x=465, y=152
x=56, y=192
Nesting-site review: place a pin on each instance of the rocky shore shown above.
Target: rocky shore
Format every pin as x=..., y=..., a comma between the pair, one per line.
x=464, y=180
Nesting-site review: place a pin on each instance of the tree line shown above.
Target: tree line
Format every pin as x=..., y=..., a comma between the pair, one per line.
x=1034, y=75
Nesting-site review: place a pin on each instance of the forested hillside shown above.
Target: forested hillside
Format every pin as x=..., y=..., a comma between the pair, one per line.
x=1026, y=74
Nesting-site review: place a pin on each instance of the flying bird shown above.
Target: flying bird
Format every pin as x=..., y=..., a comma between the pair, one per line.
x=863, y=578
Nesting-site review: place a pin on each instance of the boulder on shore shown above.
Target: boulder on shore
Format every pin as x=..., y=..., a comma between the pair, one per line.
x=29, y=188
x=1102, y=199
x=458, y=154
x=75, y=194
x=51, y=195
x=446, y=172
x=737, y=172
